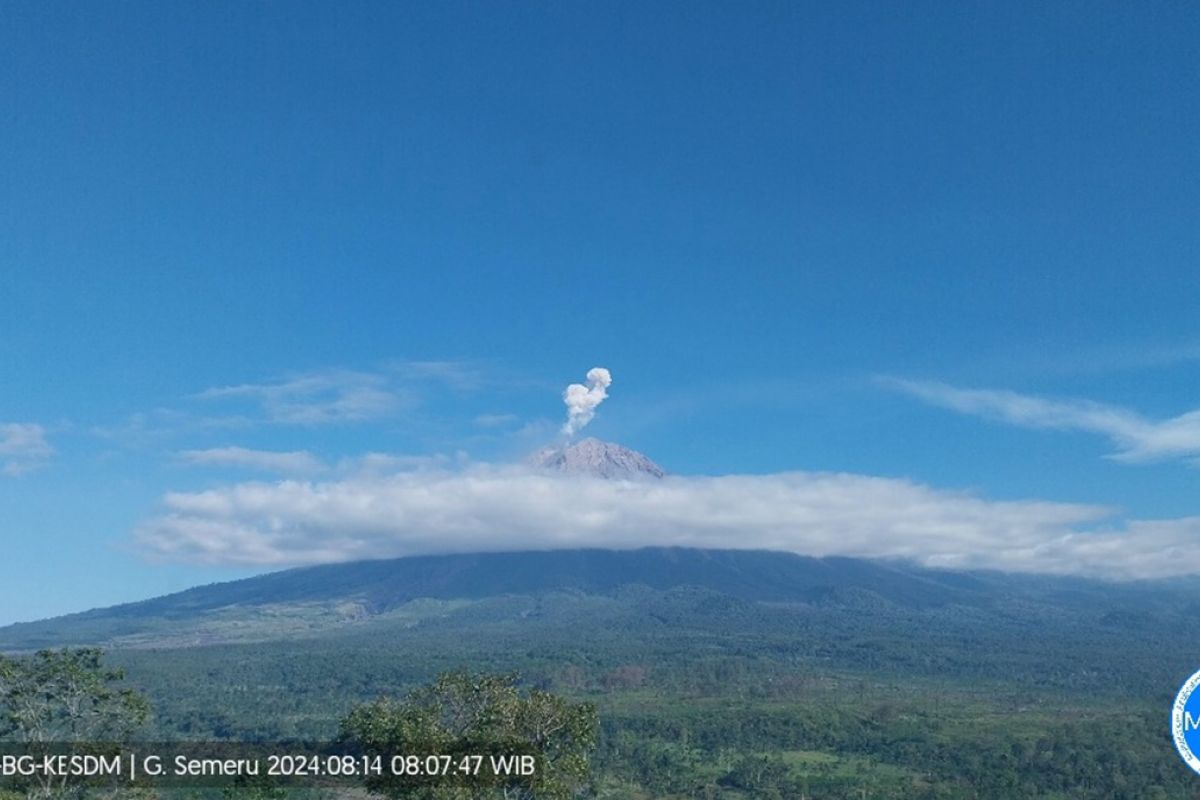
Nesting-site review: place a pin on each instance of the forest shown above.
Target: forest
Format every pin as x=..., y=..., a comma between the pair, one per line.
x=699, y=694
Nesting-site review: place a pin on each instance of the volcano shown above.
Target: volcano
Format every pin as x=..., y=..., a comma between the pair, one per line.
x=597, y=459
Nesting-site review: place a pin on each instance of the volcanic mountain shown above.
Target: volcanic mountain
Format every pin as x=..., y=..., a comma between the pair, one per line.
x=599, y=459
x=587, y=590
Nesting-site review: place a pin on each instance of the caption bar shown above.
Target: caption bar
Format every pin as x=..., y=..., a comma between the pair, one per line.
x=201, y=764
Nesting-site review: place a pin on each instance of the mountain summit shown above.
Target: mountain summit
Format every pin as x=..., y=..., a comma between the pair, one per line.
x=600, y=459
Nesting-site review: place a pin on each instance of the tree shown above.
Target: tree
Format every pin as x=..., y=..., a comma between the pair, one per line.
x=66, y=696
x=465, y=716
x=66, y=699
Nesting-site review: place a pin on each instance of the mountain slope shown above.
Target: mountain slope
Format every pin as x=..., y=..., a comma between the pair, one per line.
x=380, y=586
x=595, y=458
x=312, y=600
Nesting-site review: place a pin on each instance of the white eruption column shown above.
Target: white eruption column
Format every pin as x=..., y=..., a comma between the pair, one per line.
x=582, y=400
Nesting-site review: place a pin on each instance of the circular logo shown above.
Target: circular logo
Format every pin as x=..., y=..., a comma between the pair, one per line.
x=1185, y=722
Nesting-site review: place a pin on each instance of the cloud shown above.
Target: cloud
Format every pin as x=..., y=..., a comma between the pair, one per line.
x=319, y=398
x=23, y=448
x=395, y=391
x=1137, y=438
x=490, y=508
x=150, y=428
x=296, y=462
x=464, y=376
x=375, y=464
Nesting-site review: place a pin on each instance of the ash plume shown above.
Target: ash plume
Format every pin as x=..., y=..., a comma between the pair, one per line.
x=582, y=400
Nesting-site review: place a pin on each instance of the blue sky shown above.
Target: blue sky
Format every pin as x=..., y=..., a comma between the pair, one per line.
x=952, y=246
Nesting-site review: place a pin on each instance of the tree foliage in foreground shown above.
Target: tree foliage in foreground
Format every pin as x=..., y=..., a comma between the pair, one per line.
x=66, y=699
x=466, y=716
x=66, y=696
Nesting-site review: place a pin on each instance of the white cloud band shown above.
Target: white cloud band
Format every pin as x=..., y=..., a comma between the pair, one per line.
x=1136, y=437
x=503, y=508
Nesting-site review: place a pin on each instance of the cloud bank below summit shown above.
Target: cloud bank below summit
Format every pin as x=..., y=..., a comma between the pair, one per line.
x=504, y=508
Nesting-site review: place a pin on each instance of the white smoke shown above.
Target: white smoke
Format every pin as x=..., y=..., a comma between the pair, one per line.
x=582, y=400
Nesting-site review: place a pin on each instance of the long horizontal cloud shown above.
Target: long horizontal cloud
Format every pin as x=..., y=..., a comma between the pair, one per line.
x=342, y=396
x=291, y=462
x=506, y=508
x=1136, y=437
x=319, y=398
